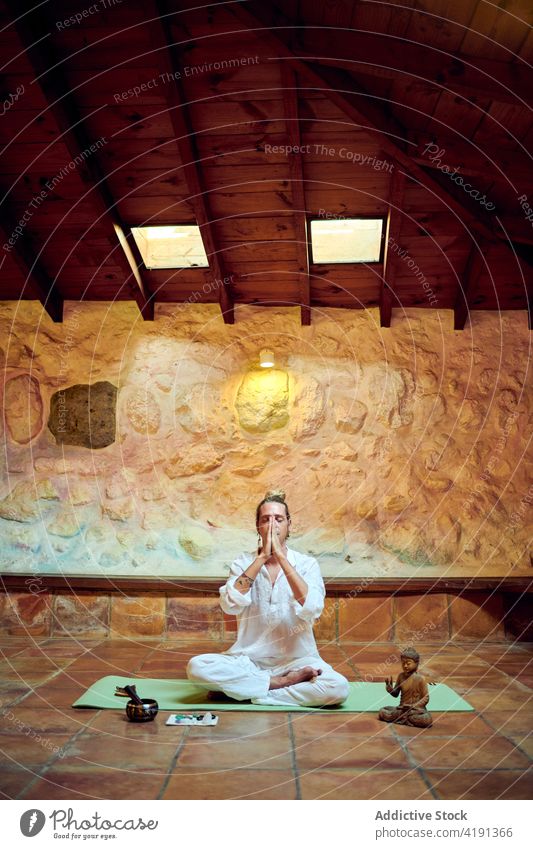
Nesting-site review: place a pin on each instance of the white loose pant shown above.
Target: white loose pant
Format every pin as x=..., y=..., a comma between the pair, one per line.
x=241, y=678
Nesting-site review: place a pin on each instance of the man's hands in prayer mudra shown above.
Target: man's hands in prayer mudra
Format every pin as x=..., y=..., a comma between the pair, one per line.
x=273, y=528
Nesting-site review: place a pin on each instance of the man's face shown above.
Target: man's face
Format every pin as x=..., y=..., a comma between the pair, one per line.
x=275, y=513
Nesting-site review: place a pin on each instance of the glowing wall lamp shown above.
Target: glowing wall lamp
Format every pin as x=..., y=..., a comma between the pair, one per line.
x=266, y=359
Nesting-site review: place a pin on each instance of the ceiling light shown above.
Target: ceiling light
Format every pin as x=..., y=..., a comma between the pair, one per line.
x=266, y=358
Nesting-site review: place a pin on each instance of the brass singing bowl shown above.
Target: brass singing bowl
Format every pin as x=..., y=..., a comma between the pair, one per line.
x=142, y=713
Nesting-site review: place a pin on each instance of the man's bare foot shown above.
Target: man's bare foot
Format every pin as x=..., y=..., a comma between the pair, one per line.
x=293, y=676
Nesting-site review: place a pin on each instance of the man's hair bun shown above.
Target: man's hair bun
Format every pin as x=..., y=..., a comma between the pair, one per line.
x=276, y=493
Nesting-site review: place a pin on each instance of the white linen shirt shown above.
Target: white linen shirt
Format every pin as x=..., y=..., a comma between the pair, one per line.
x=273, y=626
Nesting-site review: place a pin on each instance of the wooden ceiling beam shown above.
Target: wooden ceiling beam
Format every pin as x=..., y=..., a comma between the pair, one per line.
x=290, y=101
x=505, y=164
x=80, y=146
x=38, y=281
x=390, y=261
x=473, y=269
x=524, y=259
x=186, y=142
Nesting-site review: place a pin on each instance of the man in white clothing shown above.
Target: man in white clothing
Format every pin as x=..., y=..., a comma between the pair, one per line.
x=276, y=597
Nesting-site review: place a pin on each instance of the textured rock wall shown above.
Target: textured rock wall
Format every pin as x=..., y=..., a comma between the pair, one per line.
x=403, y=451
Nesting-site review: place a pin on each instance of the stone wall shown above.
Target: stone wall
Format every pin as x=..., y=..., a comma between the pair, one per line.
x=142, y=448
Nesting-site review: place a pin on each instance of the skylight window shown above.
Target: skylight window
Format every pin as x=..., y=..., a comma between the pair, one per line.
x=346, y=240
x=179, y=246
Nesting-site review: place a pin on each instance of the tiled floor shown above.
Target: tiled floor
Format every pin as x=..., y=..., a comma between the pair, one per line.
x=48, y=750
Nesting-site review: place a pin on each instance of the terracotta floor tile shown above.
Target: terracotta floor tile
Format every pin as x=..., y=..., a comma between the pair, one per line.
x=494, y=686
x=126, y=747
x=255, y=752
x=14, y=780
x=491, y=648
x=526, y=679
x=363, y=784
x=241, y=725
x=54, y=652
x=28, y=751
x=344, y=669
x=65, y=679
x=8, y=652
x=47, y=721
x=99, y=667
x=27, y=681
x=106, y=653
x=27, y=672
x=477, y=784
x=370, y=672
x=12, y=643
x=370, y=652
x=321, y=725
x=169, y=654
x=110, y=644
x=514, y=662
x=233, y=784
x=466, y=753
x=524, y=742
x=438, y=669
x=79, y=716
x=514, y=667
x=117, y=645
x=72, y=678
x=10, y=692
x=196, y=647
x=51, y=697
x=486, y=678
x=518, y=658
x=347, y=750
x=10, y=646
x=510, y=648
x=494, y=700
x=339, y=663
x=73, y=784
x=24, y=664
x=51, y=647
x=330, y=650
x=507, y=722
x=175, y=669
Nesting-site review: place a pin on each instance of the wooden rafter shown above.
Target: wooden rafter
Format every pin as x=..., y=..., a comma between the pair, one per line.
x=290, y=100
x=474, y=266
x=185, y=140
x=35, y=276
x=390, y=261
x=433, y=149
x=73, y=134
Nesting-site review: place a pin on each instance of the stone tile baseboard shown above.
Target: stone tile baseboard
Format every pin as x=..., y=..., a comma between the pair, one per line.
x=402, y=617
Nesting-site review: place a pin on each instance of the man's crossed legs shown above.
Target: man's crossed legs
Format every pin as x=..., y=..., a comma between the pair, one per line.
x=308, y=682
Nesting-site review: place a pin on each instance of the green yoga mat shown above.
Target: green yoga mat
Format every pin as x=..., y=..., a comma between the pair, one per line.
x=179, y=694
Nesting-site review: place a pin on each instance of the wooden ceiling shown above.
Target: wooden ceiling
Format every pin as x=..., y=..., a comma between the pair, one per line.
x=129, y=114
